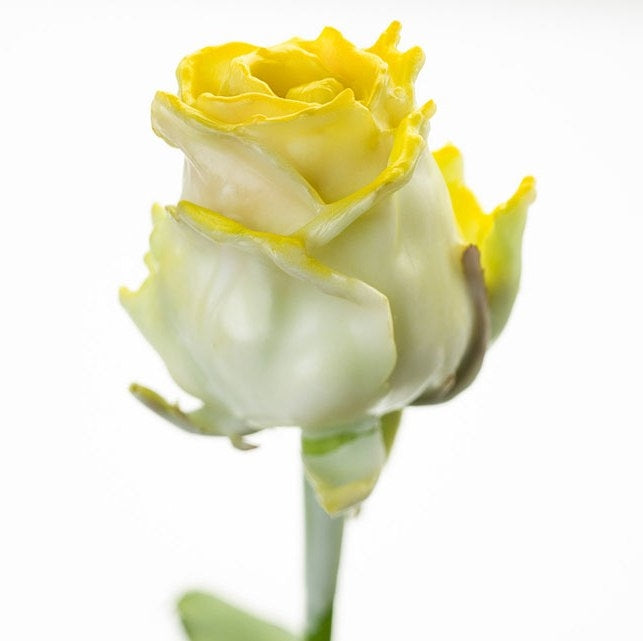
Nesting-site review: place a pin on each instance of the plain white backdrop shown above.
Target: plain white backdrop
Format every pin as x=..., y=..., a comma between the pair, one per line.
x=513, y=512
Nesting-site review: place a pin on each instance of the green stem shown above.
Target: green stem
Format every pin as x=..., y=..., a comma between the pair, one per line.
x=323, y=550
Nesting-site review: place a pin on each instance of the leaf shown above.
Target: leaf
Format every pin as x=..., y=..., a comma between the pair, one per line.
x=208, y=618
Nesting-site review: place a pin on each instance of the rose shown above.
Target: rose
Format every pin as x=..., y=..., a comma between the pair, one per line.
x=315, y=272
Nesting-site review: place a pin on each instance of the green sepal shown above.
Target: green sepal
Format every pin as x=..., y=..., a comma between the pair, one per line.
x=199, y=421
x=171, y=412
x=343, y=466
x=389, y=425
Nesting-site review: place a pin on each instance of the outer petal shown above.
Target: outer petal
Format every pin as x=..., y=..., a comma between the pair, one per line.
x=498, y=234
x=227, y=172
x=407, y=246
x=249, y=323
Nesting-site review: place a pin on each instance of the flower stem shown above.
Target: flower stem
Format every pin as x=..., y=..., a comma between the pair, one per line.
x=323, y=550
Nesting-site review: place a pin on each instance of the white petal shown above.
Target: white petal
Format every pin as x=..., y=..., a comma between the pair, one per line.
x=248, y=322
x=408, y=248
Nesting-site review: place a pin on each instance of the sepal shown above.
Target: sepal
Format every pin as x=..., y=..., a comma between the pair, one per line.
x=343, y=466
x=199, y=421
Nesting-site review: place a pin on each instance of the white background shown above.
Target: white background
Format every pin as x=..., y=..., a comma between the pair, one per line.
x=512, y=513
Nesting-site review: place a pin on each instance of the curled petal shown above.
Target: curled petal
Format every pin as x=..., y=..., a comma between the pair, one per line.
x=211, y=71
x=285, y=66
x=227, y=172
x=358, y=70
x=408, y=145
x=248, y=107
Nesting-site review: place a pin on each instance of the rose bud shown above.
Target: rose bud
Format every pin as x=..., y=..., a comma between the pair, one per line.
x=322, y=269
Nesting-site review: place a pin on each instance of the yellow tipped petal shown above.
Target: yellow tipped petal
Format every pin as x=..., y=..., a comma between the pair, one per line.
x=451, y=165
x=472, y=221
x=501, y=252
x=394, y=95
x=408, y=144
x=498, y=235
x=287, y=252
x=403, y=66
x=389, y=39
x=233, y=173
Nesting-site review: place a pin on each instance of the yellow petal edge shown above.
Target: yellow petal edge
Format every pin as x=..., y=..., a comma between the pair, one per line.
x=332, y=218
x=498, y=234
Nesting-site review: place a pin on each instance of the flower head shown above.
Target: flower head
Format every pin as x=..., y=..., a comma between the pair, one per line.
x=315, y=271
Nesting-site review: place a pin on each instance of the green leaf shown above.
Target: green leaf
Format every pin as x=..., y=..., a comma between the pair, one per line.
x=207, y=618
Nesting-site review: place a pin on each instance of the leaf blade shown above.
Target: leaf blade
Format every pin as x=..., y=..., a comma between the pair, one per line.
x=208, y=618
